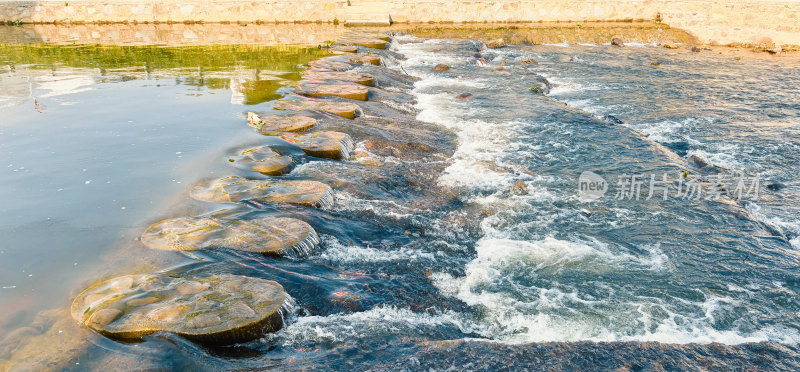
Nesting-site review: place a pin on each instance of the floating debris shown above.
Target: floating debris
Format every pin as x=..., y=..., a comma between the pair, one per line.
x=350, y=91
x=328, y=145
x=344, y=109
x=236, y=189
x=218, y=309
x=281, y=236
x=273, y=124
x=262, y=159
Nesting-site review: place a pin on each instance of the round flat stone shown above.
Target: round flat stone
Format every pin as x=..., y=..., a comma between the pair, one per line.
x=365, y=59
x=328, y=145
x=350, y=91
x=376, y=43
x=355, y=77
x=344, y=109
x=235, y=188
x=270, y=235
x=344, y=48
x=329, y=63
x=214, y=312
x=262, y=159
x=273, y=124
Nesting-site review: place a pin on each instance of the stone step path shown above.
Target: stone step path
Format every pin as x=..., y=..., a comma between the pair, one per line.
x=224, y=309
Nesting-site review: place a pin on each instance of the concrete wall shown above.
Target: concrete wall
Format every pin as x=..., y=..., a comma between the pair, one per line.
x=710, y=20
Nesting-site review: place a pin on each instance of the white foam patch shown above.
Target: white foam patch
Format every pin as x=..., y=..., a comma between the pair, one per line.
x=783, y=224
x=367, y=325
x=520, y=313
x=335, y=251
x=346, y=202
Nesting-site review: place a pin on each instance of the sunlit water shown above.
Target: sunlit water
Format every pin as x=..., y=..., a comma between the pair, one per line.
x=441, y=244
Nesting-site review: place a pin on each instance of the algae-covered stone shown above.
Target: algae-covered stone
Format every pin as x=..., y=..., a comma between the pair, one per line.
x=329, y=145
x=235, y=189
x=344, y=109
x=441, y=67
x=220, y=309
x=355, y=77
x=351, y=91
x=365, y=59
x=270, y=235
x=273, y=124
x=262, y=159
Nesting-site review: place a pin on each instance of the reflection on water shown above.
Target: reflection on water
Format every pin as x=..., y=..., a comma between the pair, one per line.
x=94, y=137
x=252, y=74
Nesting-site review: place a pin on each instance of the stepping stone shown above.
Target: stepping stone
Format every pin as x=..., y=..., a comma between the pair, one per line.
x=344, y=109
x=344, y=48
x=355, y=77
x=350, y=91
x=328, y=145
x=329, y=64
x=219, y=309
x=272, y=235
x=270, y=125
x=262, y=159
x=234, y=189
x=365, y=59
x=375, y=44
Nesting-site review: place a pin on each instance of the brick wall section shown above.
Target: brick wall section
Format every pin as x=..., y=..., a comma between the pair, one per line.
x=711, y=21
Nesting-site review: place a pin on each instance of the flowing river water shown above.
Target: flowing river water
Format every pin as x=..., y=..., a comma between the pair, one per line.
x=458, y=222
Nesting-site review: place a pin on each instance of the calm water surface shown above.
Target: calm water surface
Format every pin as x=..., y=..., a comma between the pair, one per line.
x=482, y=238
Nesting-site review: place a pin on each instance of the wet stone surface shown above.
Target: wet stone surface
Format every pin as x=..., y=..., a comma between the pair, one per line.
x=235, y=189
x=262, y=159
x=272, y=124
x=218, y=309
x=328, y=145
x=270, y=235
x=350, y=91
x=355, y=77
x=344, y=109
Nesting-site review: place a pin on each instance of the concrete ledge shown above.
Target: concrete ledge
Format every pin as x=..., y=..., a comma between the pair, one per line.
x=720, y=21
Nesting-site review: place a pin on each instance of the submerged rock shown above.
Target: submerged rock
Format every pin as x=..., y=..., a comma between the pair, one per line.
x=464, y=96
x=530, y=62
x=271, y=235
x=344, y=109
x=355, y=77
x=235, y=189
x=328, y=145
x=275, y=124
x=495, y=44
x=350, y=91
x=441, y=67
x=262, y=159
x=218, y=309
x=671, y=46
x=617, y=42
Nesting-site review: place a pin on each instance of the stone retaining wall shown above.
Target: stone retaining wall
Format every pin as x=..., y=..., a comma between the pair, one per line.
x=710, y=20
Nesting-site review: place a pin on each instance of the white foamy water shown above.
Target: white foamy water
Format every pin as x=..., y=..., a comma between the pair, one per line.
x=533, y=287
